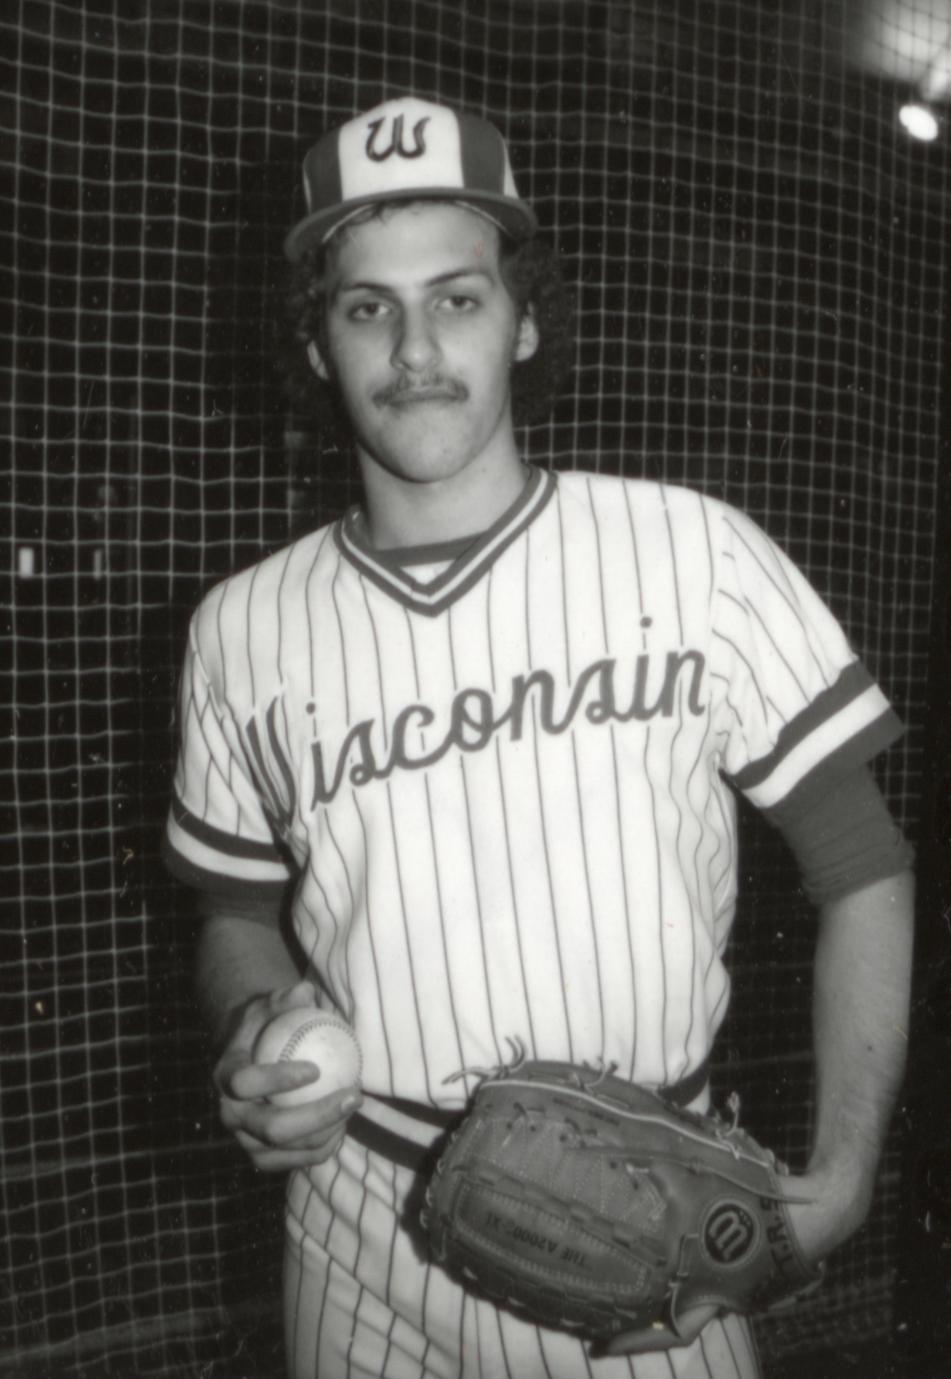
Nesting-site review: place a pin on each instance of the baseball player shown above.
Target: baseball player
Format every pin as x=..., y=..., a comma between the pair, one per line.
x=485, y=732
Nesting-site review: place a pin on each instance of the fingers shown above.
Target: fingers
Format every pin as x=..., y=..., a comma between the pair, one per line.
x=286, y=1124
x=279, y=1138
x=268, y=1160
x=247, y=1081
x=660, y=1337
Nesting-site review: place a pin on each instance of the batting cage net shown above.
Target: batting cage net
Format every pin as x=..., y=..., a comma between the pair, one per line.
x=758, y=253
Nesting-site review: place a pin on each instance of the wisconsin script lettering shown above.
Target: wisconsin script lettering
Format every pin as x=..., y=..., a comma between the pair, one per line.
x=473, y=719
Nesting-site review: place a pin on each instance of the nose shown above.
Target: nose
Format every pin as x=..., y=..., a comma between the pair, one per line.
x=415, y=349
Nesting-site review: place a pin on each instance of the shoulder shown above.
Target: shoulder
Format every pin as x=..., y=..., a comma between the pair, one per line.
x=692, y=530
x=646, y=498
x=250, y=600
x=578, y=483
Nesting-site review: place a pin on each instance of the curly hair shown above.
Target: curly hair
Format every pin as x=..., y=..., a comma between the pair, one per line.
x=531, y=272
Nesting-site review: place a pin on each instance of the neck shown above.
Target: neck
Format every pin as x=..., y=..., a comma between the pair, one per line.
x=406, y=513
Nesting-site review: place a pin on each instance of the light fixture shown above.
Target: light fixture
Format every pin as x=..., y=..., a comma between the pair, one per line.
x=919, y=120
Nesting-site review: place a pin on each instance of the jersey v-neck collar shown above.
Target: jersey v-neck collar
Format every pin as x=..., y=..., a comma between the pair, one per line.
x=469, y=559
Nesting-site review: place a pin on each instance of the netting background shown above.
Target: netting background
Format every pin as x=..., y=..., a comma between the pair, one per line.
x=760, y=266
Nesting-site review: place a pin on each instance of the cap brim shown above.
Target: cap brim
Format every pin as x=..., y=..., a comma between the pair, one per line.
x=514, y=218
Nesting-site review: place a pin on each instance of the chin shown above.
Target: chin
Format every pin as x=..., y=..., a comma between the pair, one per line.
x=424, y=469
x=422, y=462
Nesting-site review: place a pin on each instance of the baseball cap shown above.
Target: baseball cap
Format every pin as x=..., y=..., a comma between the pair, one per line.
x=402, y=150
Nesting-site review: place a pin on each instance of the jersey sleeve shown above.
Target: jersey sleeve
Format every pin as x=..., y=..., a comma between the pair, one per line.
x=797, y=709
x=218, y=836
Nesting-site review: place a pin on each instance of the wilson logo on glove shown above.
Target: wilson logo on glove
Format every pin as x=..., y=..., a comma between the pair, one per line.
x=730, y=1234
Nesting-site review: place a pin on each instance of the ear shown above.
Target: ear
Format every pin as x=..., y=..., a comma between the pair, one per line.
x=526, y=341
x=316, y=361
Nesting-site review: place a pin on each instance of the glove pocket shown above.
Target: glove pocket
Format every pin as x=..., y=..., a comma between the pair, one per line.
x=543, y=1215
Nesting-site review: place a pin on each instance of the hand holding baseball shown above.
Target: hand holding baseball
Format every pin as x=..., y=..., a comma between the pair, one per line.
x=315, y=1037
x=285, y=1109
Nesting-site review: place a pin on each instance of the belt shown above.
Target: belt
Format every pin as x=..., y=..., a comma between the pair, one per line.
x=411, y=1134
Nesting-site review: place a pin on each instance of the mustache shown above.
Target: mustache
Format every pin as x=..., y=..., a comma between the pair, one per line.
x=423, y=390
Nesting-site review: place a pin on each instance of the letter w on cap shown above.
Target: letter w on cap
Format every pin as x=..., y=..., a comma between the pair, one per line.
x=396, y=140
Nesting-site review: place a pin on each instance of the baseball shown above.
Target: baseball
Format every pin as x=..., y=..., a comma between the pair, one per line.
x=311, y=1036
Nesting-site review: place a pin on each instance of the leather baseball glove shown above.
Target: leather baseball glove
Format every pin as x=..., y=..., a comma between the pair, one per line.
x=592, y=1205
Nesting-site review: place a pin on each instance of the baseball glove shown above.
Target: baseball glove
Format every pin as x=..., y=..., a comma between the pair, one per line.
x=592, y=1205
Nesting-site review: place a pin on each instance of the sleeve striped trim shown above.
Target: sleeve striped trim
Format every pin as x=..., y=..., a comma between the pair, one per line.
x=198, y=844
x=216, y=882
x=843, y=727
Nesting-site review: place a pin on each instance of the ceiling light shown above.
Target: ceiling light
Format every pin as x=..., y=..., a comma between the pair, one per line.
x=919, y=121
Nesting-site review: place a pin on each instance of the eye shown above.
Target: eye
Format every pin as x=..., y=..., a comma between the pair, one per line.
x=369, y=310
x=458, y=304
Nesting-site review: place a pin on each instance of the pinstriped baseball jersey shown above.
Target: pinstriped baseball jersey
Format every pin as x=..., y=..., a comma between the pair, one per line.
x=505, y=790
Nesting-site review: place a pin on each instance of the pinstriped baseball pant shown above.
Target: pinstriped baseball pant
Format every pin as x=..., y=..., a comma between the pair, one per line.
x=361, y=1302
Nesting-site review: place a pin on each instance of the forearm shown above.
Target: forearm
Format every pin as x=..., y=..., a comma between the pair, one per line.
x=236, y=960
x=861, y=1009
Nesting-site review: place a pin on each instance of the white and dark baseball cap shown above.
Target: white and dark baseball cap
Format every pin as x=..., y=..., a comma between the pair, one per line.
x=406, y=150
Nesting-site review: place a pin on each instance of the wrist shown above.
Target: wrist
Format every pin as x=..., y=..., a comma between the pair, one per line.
x=239, y=1025
x=831, y=1205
